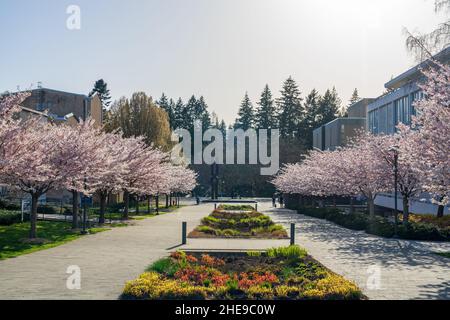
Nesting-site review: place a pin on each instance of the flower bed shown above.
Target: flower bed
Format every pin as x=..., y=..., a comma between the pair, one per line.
x=238, y=224
x=282, y=273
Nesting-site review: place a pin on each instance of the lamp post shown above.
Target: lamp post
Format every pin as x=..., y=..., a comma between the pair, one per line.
x=394, y=149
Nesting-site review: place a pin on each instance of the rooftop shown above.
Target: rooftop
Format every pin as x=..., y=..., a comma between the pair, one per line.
x=414, y=73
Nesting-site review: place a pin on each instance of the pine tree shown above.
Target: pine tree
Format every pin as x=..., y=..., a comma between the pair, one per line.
x=101, y=89
x=266, y=117
x=167, y=105
x=189, y=113
x=178, y=114
x=309, y=122
x=201, y=113
x=354, y=99
x=246, y=113
x=290, y=107
x=329, y=107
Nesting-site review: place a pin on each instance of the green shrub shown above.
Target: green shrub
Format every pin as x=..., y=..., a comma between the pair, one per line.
x=231, y=207
x=287, y=252
x=254, y=253
x=10, y=217
x=228, y=233
x=164, y=266
x=211, y=221
x=45, y=209
x=423, y=231
x=9, y=206
x=207, y=229
x=380, y=227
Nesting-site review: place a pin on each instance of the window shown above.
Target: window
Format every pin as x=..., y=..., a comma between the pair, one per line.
x=403, y=110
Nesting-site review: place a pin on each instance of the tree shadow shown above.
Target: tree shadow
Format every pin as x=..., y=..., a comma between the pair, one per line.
x=359, y=245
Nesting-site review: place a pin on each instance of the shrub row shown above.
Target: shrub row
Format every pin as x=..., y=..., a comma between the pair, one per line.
x=8, y=217
x=378, y=225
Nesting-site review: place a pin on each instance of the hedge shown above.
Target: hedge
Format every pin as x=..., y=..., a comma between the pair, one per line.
x=378, y=225
x=9, y=217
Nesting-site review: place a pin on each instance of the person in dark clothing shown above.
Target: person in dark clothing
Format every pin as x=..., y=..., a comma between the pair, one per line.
x=281, y=200
x=274, y=201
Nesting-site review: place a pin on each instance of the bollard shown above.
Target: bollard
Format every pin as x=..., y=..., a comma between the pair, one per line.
x=256, y=207
x=184, y=233
x=215, y=206
x=292, y=234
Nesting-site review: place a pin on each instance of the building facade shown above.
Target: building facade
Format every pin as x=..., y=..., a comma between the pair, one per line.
x=397, y=106
x=341, y=131
x=62, y=106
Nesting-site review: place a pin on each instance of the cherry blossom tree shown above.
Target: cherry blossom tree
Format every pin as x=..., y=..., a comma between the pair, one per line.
x=143, y=169
x=429, y=136
x=350, y=171
x=387, y=147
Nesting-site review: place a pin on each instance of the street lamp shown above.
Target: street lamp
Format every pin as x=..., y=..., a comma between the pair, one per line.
x=395, y=150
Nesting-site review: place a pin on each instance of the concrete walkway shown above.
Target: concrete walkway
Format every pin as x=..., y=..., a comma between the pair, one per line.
x=405, y=269
x=107, y=260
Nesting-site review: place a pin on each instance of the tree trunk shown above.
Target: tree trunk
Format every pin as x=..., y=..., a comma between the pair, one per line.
x=126, y=200
x=440, y=211
x=148, y=204
x=352, y=205
x=137, y=205
x=167, y=201
x=334, y=201
x=405, y=210
x=157, y=204
x=371, y=207
x=101, y=218
x=75, y=205
x=33, y=215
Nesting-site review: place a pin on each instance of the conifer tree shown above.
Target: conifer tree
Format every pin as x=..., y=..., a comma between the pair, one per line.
x=246, y=114
x=290, y=107
x=266, y=115
x=309, y=122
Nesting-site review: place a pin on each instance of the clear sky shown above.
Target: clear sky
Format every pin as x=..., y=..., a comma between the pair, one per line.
x=216, y=48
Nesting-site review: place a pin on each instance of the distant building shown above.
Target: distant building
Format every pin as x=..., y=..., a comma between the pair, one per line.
x=63, y=106
x=59, y=107
x=340, y=131
x=394, y=107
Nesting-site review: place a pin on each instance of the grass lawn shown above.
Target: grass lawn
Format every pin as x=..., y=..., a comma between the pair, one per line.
x=287, y=273
x=55, y=234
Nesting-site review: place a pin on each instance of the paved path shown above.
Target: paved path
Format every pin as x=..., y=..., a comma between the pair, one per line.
x=107, y=260
x=408, y=269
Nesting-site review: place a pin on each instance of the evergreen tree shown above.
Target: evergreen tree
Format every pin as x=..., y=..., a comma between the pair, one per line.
x=354, y=99
x=329, y=107
x=266, y=117
x=178, y=114
x=201, y=113
x=167, y=105
x=290, y=107
x=223, y=128
x=101, y=89
x=189, y=113
x=309, y=122
x=246, y=114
